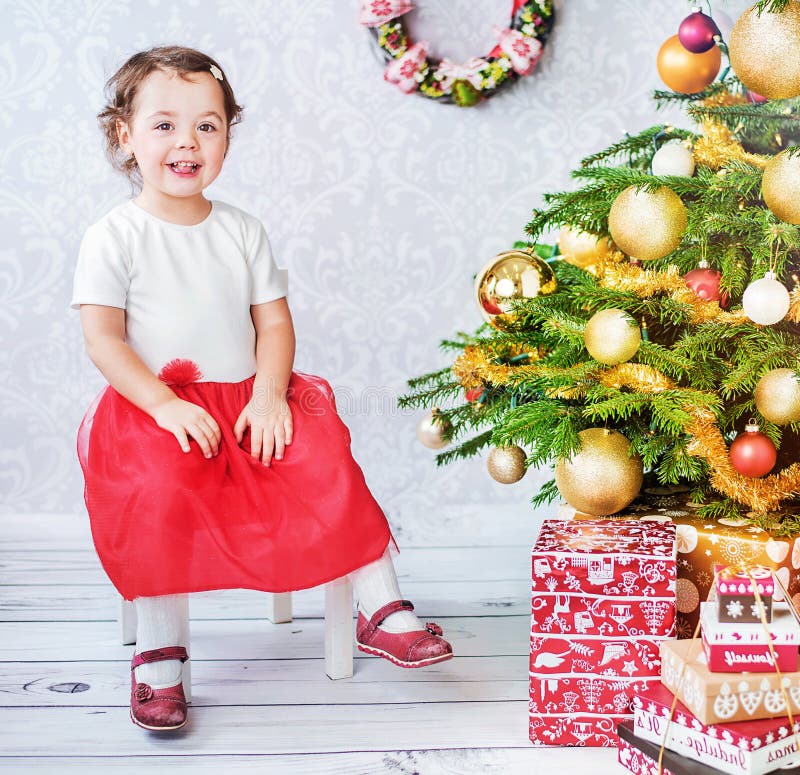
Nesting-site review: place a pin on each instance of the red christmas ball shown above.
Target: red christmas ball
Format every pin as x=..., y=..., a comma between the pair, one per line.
x=756, y=99
x=704, y=281
x=697, y=32
x=473, y=394
x=752, y=453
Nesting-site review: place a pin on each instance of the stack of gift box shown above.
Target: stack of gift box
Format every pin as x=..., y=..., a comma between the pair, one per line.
x=728, y=701
x=603, y=602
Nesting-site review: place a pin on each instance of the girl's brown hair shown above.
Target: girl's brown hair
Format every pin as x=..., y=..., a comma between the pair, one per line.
x=122, y=87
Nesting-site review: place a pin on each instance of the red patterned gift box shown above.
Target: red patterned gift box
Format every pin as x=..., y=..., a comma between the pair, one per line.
x=734, y=648
x=704, y=542
x=738, y=747
x=641, y=757
x=603, y=597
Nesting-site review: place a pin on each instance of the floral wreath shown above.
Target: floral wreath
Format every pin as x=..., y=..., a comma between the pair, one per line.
x=517, y=52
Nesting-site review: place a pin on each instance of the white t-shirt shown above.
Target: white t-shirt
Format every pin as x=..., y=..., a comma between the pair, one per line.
x=186, y=290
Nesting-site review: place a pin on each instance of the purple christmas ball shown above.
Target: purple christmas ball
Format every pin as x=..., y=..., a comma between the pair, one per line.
x=697, y=32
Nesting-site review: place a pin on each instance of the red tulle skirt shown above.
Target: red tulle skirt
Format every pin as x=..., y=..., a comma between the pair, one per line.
x=166, y=521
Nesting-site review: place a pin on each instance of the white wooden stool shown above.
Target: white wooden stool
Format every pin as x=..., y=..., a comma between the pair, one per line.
x=339, y=633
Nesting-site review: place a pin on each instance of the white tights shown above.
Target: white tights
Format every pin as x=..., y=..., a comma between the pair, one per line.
x=164, y=620
x=374, y=586
x=161, y=621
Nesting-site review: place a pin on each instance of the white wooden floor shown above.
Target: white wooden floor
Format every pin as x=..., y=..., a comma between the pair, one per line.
x=262, y=702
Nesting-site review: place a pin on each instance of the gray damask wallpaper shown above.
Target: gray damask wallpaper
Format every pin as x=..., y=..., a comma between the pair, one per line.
x=381, y=205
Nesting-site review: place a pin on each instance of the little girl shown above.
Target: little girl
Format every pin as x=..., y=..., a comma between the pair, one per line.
x=208, y=462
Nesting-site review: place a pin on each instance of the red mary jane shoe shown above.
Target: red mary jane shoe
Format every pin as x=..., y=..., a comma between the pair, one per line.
x=158, y=709
x=406, y=649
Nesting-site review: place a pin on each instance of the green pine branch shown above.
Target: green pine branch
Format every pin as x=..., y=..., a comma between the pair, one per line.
x=677, y=466
x=432, y=378
x=668, y=98
x=636, y=150
x=548, y=492
x=466, y=449
x=440, y=393
x=771, y=6
x=723, y=508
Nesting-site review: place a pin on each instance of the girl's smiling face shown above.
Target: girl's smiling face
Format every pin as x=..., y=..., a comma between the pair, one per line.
x=178, y=135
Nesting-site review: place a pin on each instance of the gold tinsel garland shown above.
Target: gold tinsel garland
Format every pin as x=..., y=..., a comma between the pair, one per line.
x=647, y=282
x=476, y=369
x=717, y=146
x=636, y=376
x=793, y=315
x=760, y=495
x=473, y=369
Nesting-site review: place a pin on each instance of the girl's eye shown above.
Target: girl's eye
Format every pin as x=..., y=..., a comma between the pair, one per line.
x=165, y=125
x=207, y=128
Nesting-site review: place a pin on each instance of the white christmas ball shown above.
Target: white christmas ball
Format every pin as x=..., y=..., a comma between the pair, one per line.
x=766, y=301
x=673, y=158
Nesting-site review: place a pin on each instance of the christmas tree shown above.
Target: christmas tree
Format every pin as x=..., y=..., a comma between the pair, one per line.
x=660, y=339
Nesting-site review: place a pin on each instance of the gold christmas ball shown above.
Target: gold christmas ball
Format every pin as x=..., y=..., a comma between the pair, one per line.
x=685, y=72
x=647, y=224
x=763, y=51
x=781, y=186
x=506, y=464
x=581, y=248
x=431, y=429
x=612, y=336
x=511, y=275
x=603, y=477
x=778, y=396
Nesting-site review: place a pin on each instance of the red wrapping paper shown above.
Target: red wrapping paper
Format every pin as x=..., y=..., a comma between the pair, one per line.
x=603, y=598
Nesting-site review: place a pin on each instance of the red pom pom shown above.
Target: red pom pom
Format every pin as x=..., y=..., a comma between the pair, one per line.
x=180, y=372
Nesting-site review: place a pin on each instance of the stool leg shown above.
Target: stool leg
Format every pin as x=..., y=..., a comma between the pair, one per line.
x=185, y=641
x=339, y=628
x=127, y=621
x=279, y=607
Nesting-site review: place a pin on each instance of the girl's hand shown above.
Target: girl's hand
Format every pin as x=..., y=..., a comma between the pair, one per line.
x=184, y=419
x=270, y=427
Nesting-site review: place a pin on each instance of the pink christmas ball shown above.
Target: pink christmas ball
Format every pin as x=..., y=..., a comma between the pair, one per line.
x=697, y=32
